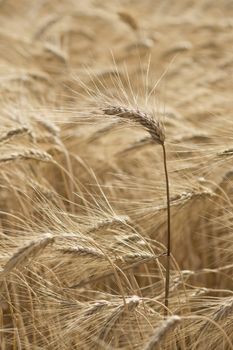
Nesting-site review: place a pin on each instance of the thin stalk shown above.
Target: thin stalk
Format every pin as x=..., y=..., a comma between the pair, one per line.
x=167, y=280
x=156, y=131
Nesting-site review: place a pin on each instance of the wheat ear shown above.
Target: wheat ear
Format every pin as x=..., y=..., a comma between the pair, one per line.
x=154, y=127
x=161, y=332
x=156, y=131
x=118, y=315
x=111, y=223
x=27, y=154
x=11, y=133
x=21, y=257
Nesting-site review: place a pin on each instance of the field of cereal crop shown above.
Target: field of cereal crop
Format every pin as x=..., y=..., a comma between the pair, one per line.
x=116, y=149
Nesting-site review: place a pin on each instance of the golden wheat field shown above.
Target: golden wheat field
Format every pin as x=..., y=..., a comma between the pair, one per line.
x=116, y=175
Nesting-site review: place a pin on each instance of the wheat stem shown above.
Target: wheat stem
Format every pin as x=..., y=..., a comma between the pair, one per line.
x=167, y=281
x=156, y=131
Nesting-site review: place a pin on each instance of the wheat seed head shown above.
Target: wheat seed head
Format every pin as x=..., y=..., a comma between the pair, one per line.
x=147, y=121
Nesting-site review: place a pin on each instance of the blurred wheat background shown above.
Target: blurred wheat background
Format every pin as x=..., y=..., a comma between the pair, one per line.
x=82, y=194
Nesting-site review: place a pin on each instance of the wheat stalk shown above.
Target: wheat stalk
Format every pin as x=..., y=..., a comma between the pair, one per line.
x=157, y=133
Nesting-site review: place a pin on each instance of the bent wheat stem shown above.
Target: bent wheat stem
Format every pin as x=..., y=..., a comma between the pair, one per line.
x=156, y=131
x=167, y=281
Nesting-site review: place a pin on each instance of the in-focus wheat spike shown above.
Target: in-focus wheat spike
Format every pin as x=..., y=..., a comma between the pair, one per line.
x=9, y=134
x=133, y=257
x=161, y=331
x=154, y=127
x=20, y=258
x=111, y=223
x=28, y=154
x=83, y=251
x=157, y=133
